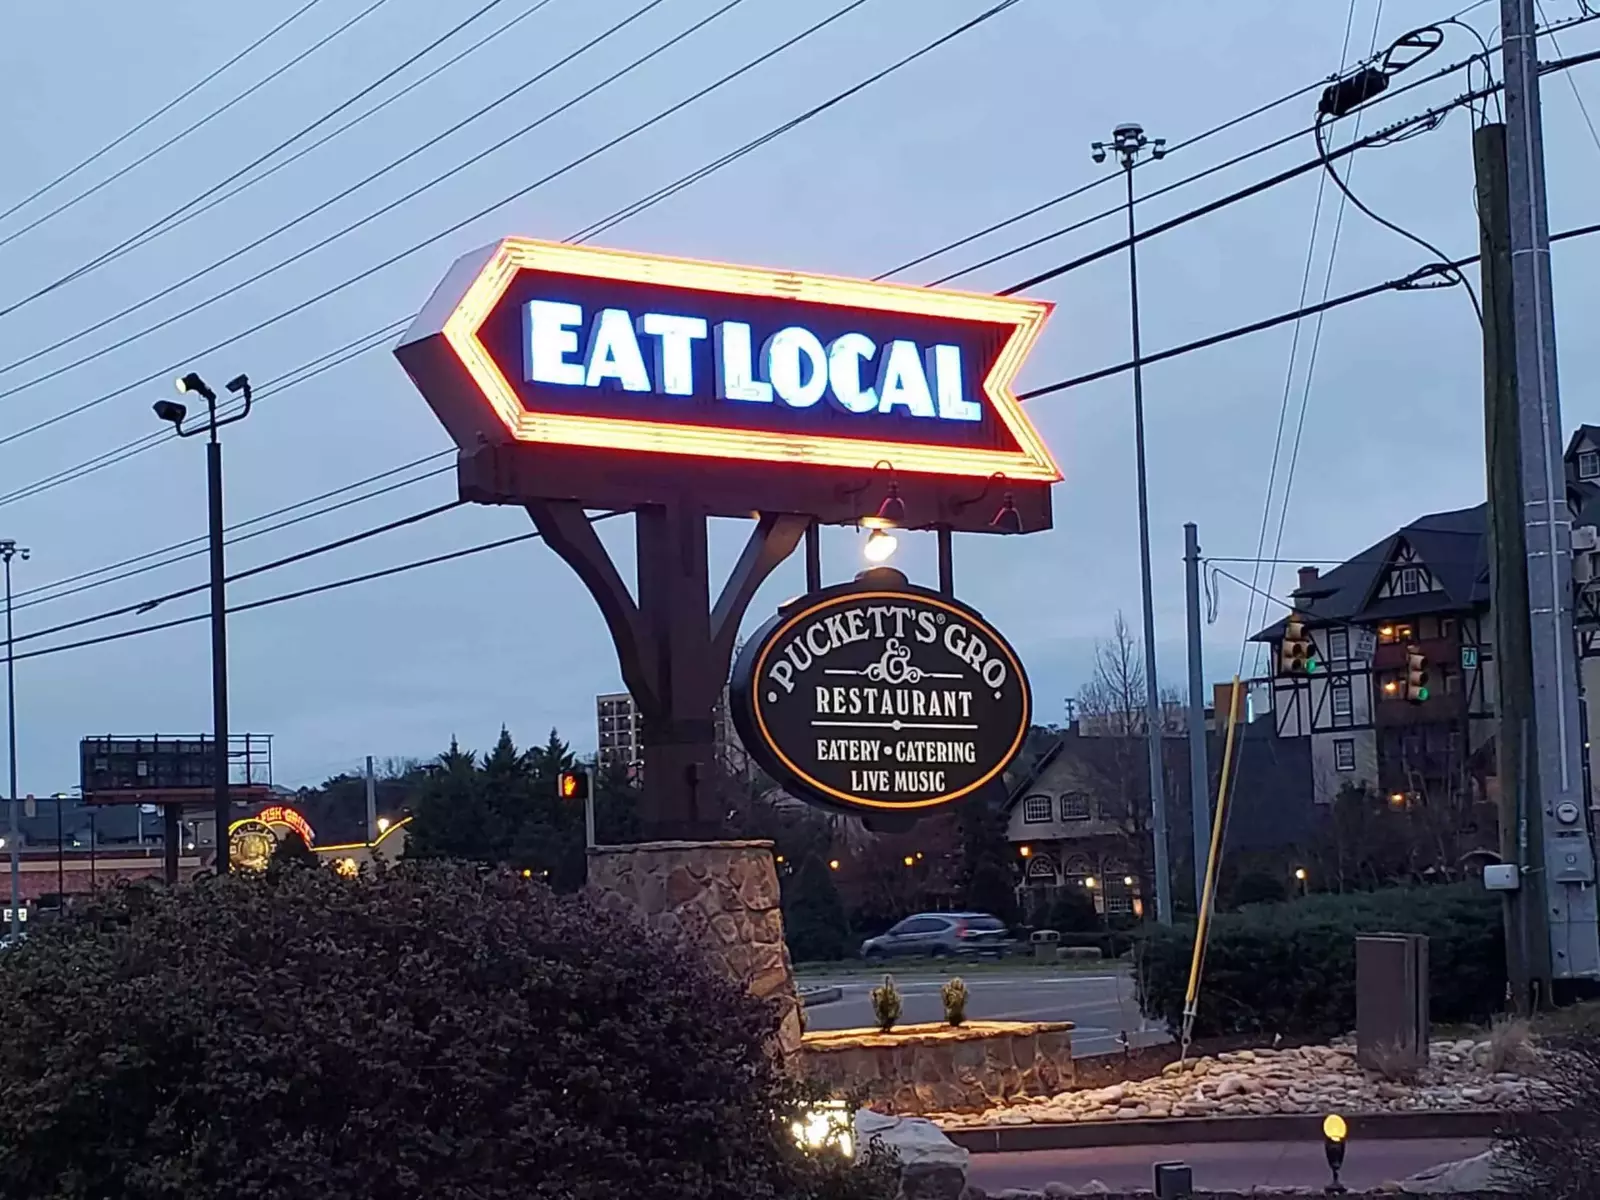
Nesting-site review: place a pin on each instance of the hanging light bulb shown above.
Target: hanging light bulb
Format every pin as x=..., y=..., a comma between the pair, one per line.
x=880, y=546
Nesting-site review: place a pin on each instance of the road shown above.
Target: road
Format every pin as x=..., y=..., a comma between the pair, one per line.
x=1100, y=1003
x=1217, y=1165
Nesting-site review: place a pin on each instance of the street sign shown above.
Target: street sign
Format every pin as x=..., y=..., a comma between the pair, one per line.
x=878, y=696
x=581, y=354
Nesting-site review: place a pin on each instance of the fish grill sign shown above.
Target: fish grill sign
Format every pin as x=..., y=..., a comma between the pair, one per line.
x=880, y=696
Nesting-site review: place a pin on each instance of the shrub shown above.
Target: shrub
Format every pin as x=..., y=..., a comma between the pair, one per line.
x=428, y=1031
x=814, y=921
x=886, y=1004
x=1554, y=1154
x=1290, y=968
x=954, y=995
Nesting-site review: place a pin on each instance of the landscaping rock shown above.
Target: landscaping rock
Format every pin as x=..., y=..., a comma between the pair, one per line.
x=932, y=1167
x=1307, y=1080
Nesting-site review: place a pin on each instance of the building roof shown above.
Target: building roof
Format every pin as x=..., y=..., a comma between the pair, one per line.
x=1452, y=545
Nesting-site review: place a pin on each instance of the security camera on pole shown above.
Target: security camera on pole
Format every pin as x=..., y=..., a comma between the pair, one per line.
x=171, y=410
x=1127, y=142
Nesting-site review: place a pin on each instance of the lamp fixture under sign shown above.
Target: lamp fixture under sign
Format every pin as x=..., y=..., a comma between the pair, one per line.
x=880, y=546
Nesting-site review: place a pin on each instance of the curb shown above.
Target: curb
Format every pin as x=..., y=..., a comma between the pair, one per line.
x=819, y=995
x=1307, y=1127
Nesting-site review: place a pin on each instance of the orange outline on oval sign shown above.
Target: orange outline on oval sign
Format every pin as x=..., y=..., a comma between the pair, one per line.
x=850, y=797
x=1031, y=462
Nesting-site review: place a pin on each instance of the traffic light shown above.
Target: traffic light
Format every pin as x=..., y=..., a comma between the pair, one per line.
x=1416, y=675
x=1297, y=654
x=573, y=785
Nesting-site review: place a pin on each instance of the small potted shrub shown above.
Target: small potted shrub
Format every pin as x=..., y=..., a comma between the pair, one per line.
x=954, y=994
x=886, y=1004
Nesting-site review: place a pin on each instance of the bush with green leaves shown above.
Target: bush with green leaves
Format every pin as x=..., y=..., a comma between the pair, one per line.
x=1290, y=968
x=435, y=1031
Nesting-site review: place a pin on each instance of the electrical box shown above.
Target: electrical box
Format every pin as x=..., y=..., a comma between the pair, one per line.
x=1502, y=877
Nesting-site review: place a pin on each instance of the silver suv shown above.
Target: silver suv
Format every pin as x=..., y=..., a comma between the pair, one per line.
x=941, y=935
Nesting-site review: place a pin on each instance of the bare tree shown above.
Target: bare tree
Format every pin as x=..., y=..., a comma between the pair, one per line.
x=1111, y=708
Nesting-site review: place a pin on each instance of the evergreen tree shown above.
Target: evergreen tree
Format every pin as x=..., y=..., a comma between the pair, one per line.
x=292, y=853
x=814, y=922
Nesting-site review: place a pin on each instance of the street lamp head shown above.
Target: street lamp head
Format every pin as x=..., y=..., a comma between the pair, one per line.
x=1098, y=149
x=239, y=383
x=1158, y=148
x=193, y=383
x=170, y=410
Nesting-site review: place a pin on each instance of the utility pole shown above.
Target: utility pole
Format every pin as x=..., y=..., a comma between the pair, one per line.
x=1527, y=939
x=372, y=803
x=9, y=550
x=1126, y=142
x=1554, y=808
x=1199, y=768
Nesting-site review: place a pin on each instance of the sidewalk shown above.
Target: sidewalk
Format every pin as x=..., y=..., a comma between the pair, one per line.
x=1240, y=1166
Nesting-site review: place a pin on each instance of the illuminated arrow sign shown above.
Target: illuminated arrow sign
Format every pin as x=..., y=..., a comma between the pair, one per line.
x=546, y=345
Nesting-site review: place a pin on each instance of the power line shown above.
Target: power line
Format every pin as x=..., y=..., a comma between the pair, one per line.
x=693, y=177
x=186, y=131
x=1294, y=348
x=160, y=112
x=176, y=217
x=301, y=593
x=292, y=378
x=143, y=606
x=1418, y=280
x=388, y=166
x=658, y=117
x=1432, y=115
x=196, y=550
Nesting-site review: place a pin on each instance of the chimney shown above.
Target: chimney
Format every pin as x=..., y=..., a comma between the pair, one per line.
x=1308, y=579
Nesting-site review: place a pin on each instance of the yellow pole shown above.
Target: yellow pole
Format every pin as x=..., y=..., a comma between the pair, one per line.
x=1203, y=921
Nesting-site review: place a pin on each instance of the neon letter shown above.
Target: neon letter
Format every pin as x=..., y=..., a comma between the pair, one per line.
x=944, y=368
x=901, y=381
x=674, y=357
x=796, y=386
x=845, y=353
x=614, y=352
x=549, y=330
x=735, y=376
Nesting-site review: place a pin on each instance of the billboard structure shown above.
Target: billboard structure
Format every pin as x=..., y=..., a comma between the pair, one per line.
x=573, y=379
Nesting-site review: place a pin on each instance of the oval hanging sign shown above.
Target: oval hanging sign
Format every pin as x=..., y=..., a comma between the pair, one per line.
x=880, y=696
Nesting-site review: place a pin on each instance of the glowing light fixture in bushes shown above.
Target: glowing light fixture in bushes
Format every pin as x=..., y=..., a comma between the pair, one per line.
x=825, y=1128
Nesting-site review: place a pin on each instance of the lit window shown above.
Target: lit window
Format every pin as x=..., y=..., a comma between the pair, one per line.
x=1344, y=754
x=1075, y=806
x=1036, y=810
x=1589, y=465
x=1342, y=705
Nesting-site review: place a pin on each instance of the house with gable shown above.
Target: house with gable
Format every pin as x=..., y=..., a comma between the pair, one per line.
x=1412, y=608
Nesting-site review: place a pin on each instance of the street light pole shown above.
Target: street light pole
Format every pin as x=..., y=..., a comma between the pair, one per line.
x=9, y=550
x=1127, y=141
x=174, y=412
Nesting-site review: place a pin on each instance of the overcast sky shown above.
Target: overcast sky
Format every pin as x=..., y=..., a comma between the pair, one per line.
x=996, y=121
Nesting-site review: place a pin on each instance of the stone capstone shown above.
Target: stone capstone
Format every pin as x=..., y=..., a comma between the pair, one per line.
x=719, y=897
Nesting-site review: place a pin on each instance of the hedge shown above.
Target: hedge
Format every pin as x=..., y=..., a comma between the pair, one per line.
x=431, y=1031
x=1290, y=968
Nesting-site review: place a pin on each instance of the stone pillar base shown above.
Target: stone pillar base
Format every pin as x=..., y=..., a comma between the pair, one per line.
x=720, y=897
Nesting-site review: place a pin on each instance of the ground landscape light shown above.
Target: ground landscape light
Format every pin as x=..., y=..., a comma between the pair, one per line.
x=383, y=824
x=825, y=1127
x=1334, y=1133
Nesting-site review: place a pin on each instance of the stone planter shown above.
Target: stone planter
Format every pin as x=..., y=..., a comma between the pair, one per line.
x=920, y=1069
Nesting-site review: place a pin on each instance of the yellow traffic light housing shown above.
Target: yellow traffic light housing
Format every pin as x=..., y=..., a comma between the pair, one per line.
x=1416, y=675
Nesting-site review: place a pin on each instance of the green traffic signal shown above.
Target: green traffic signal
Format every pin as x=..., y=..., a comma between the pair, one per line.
x=1312, y=666
x=1422, y=693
